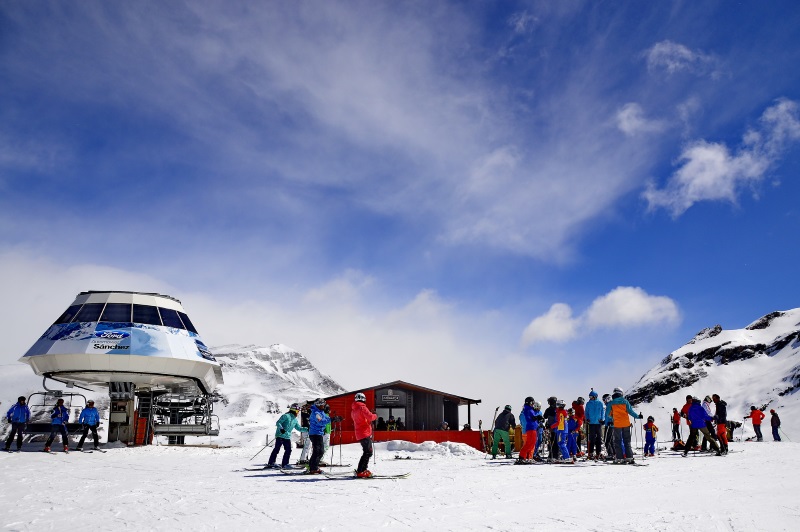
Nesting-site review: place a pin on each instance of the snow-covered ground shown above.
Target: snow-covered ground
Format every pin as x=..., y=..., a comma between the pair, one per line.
x=451, y=487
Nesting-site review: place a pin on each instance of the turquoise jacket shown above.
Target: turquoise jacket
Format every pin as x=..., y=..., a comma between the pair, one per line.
x=286, y=424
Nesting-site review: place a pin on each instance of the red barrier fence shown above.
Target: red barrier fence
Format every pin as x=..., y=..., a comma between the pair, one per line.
x=471, y=438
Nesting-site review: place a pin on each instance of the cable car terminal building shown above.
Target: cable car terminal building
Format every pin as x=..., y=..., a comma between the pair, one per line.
x=145, y=350
x=421, y=410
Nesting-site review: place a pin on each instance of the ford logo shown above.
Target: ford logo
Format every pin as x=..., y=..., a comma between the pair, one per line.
x=111, y=335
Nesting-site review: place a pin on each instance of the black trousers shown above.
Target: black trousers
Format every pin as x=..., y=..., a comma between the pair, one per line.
x=64, y=437
x=86, y=429
x=366, y=454
x=595, y=440
x=17, y=429
x=609, y=441
x=317, y=450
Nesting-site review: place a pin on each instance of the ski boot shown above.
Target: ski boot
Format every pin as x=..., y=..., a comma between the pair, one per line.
x=46, y=449
x=364, y=474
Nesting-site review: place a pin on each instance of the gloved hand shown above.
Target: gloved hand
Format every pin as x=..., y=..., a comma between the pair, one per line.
x=9, y=419
x=641, y=416
x=85, y=426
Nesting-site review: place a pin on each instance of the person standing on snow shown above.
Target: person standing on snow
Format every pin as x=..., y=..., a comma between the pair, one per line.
x=537, y=411
x=283, y=435
x=709, y=425
x=504, y=422
x=572, y=434
x=756, y=416
x=549, y=419
x=318, y=420
x=676, y=425
x=561, y=429
x=59, y=417
x=529, y=422
x=721, y=419
x=580, y=419
x=775, y=422
x=698, y=417
x=594, y=421
x=650, y=432
x=620, y=409
x=18, y=416
x=362, y=419
x=608, y=422
x=90, y=419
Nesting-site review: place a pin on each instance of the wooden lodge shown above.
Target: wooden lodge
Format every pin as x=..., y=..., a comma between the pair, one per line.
x=418, y=413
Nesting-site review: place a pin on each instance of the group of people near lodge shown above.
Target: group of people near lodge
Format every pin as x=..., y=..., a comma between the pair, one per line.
x=557, y=433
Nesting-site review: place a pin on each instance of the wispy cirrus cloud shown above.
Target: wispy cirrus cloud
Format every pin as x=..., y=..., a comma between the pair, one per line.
x=712, y=171
x=631, y=120
x=623, y=307
x=670, y=58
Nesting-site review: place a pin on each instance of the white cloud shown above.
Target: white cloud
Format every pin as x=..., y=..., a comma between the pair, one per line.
x=623, y=307
x=631, y=121
x=672, y=57
x=711, y=172
x=556, y=325
x=628, y=306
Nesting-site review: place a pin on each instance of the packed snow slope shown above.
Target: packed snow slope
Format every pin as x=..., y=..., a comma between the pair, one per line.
x=260, y=383
x=758, y=365
x=451, y=488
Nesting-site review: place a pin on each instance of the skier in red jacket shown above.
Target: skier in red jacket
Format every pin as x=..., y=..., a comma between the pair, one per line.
x=362, y=419
x=756, y=416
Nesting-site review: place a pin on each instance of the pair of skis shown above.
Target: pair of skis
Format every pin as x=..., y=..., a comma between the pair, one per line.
x=343, y=476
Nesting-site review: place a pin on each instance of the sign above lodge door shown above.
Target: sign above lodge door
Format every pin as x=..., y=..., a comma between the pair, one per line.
x=390, y=397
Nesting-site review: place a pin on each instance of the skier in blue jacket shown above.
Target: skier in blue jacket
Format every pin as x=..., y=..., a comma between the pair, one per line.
x=18, y=415
x=595, y=417
x=283, y=435
x=697, y=417
x=58, y=423
x=608, y=436
x=90, y=419
x=318, y=420
x=537, y=411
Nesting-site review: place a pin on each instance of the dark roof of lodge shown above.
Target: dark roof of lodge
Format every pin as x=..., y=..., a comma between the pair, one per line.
x=407, y=385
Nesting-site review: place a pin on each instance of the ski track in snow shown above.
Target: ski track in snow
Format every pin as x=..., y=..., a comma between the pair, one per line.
x=165, y=488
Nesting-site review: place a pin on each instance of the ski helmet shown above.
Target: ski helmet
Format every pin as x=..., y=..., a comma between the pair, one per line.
x=593, y=394
x=294, y=406
x=361, y=397
x=551, y=401
x=90, y=402
x=650, y=418
x=529, y=400
x=695, y=399
x=571, y=411
x=319, y=403
x=752, y=408
x=508, y=407
x=537, y=405
x=618, y=390
x=581, y=400
x=560, y=403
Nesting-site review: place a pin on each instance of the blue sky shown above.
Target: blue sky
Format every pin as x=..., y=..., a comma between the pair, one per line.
x=468, y=188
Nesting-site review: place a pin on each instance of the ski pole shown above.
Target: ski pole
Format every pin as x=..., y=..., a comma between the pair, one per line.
x=784, y=434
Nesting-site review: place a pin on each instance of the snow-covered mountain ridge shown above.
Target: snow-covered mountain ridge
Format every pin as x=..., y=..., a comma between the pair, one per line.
x=260, y=382
x=757, y=365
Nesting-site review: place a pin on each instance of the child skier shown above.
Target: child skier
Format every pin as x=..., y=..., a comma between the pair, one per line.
x=561, y=429
x=650, y=436
x=572, y=428
x=580, y=419
x=594, y=421
x=283, y=435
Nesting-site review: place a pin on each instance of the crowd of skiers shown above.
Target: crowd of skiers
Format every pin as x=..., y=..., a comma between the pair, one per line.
x=19, y=415
x=557, y=433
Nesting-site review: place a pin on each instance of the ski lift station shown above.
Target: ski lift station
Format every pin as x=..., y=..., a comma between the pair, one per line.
x=145, y=351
